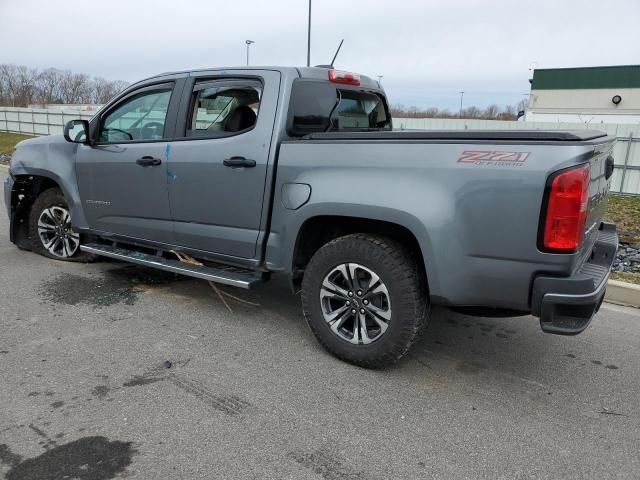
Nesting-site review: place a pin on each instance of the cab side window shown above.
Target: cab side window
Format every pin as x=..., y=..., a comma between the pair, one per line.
x=221, y=109
x=138, y=118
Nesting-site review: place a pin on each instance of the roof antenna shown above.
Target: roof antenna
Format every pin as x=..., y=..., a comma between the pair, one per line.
x=337, y=52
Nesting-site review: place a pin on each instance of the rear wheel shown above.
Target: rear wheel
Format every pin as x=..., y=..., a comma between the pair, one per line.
x=365, y=299
x=50, y=228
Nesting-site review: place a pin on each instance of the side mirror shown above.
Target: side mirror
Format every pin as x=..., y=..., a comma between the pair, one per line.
x=77, y=131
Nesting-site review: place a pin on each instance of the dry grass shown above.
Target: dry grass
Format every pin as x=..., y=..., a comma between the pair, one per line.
x=8, y=141
x=628, y=277
x=624, y=211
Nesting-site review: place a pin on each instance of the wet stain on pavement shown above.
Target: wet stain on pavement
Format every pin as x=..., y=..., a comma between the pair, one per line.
x=100, y=391
x=609, y=366
x=57, y=404
x=118, y=285
x=7, y=457
x=326, y=465
x=138, y=381
x=89, y=458
x=69, y=289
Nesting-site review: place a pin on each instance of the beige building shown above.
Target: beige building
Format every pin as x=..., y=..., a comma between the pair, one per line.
x=585, y=95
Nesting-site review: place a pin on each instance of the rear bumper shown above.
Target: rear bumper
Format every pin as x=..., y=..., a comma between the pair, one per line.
x=566, y=305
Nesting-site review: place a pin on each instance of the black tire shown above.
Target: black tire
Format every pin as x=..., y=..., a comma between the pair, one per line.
x=51, y=198
x=407, y=290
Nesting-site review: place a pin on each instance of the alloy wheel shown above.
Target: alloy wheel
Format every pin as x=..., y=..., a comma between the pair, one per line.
x=355, y=303
x=56, y=234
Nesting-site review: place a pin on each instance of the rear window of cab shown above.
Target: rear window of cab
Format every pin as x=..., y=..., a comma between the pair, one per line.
x=318, y=106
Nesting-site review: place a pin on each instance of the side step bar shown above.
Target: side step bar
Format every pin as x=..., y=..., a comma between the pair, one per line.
x=236, y=277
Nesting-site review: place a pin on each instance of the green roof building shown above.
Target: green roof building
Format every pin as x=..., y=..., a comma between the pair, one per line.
x=586, y=95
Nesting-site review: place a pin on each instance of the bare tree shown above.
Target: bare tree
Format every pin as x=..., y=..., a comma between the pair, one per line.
x=446, y=114
x=522, y=105
x=49, y=86
x=509, y=113
x=9, y=81
x=21, y=86
x=491, y=111
x=471, y=112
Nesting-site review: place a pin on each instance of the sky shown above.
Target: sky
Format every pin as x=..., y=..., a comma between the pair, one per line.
x=426, y=50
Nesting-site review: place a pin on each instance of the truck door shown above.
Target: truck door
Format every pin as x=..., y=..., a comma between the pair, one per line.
x=217, y=169
x=122, y=178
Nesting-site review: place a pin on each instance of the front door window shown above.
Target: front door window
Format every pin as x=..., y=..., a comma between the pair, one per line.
x=139, y=118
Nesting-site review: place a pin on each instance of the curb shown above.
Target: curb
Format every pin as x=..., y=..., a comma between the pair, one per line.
x=623, y=293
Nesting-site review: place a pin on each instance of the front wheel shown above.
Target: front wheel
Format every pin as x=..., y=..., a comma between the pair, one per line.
x=50, y=228
x=365, y=299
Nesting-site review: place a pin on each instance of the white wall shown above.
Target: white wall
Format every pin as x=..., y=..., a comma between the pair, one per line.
x=38, y=121
x=584, y=105
x=626, y=177
x=594, y=119
x=596, y=100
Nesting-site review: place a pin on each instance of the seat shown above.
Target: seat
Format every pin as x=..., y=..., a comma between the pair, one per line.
x=242, y=118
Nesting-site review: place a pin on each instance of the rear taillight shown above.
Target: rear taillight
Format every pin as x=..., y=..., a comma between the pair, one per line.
x=347, y=78
x=566, y=212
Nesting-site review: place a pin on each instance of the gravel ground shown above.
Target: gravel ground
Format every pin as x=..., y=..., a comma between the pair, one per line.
x=627, y=258
x=86, y=390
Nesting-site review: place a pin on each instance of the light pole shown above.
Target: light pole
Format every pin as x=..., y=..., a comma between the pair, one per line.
x=309, y=37
x=461, y=95
x=248, y=42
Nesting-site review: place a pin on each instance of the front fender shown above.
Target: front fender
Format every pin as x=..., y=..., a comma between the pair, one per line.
x=51, y=157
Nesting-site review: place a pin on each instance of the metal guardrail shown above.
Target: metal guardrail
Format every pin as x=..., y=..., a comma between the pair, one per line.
x=625, y=180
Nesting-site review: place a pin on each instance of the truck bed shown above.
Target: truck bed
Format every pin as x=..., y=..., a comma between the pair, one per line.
x=474, y=198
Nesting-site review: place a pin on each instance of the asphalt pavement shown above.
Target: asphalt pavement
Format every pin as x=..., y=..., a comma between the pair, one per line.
x=110, y=370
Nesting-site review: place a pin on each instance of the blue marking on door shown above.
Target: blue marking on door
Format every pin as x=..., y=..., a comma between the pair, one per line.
x=171, y=174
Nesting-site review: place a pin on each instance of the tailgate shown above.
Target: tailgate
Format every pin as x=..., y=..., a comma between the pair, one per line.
x=601, y=163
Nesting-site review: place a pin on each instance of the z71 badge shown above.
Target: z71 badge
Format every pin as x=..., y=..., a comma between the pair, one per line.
x=490, y=157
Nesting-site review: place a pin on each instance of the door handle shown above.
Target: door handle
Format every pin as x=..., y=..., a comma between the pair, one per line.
x=148, y=161
x=238, y=162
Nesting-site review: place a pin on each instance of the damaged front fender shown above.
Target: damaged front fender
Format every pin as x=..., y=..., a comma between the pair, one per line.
x=47, y=161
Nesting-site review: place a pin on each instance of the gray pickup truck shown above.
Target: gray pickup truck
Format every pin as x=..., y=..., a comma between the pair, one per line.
x=257, y=171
